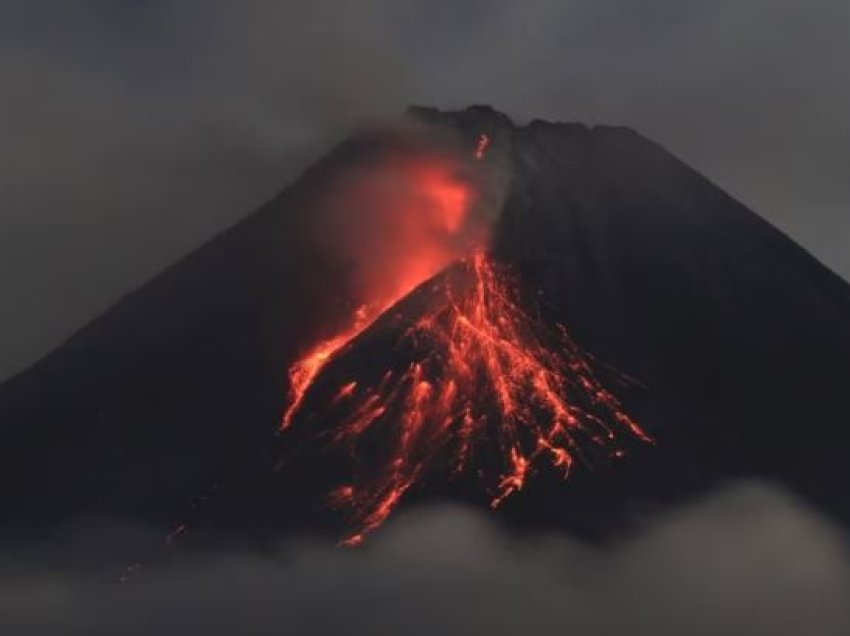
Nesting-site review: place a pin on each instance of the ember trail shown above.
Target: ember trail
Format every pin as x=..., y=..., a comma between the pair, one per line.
x=485, y=388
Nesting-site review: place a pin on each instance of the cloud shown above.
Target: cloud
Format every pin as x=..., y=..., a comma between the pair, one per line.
x=749, y=560
x=134, y=131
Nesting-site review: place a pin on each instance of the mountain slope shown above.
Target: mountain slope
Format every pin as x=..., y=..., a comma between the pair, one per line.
x=739, y=339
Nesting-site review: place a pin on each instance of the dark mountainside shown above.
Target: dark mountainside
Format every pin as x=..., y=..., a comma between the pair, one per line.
x=740, y=340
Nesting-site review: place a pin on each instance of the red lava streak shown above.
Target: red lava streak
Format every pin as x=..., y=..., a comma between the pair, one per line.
x=420, y=209
x=304, y=371
x=487, y=388
x=481, y=148
x=487, y=381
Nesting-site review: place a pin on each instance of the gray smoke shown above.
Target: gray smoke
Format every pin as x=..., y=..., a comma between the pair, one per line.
x=132, y=131
x=749, y=560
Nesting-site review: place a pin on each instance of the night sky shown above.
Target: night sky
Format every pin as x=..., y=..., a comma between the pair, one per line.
x=132, y=131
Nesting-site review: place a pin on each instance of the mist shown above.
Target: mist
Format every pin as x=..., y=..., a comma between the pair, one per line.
x=750, y=559
x=133, y=132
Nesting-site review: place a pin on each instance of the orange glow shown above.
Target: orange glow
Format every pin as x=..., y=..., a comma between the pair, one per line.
x=488, y=380
x=487, y=384
x=346, y=391
x=417, y=213
x=304, y=371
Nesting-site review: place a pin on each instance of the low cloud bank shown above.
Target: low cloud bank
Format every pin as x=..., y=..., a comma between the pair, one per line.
x=750, y=560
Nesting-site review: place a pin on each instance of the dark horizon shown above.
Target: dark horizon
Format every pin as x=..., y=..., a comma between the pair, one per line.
x=135, y=132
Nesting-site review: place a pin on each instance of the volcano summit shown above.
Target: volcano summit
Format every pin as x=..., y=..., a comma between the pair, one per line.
x=429, y=311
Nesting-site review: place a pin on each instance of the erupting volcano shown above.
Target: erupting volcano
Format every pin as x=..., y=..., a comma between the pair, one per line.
x=413, y=319
x=419, y=204
x=486, y=388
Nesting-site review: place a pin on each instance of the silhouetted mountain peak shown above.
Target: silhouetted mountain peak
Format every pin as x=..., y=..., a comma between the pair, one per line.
x=740, y=340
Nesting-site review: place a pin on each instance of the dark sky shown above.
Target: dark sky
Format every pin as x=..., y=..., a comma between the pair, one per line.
x=132, y=131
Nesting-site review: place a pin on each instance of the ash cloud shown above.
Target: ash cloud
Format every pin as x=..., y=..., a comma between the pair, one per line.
x=134, y=131
x=401, y=217
x=749, y=560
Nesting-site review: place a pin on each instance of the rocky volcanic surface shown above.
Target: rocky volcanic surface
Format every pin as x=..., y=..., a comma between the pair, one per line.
x=164, y=409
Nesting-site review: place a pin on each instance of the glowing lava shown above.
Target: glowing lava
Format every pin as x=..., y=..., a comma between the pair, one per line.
x=417, y=216
x=486, y=383
x=485, y=386
x=304, y=371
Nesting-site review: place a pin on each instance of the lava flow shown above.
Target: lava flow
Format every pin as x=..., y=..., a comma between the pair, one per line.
x=484, y=386
x=304, y=371
x=418, y=214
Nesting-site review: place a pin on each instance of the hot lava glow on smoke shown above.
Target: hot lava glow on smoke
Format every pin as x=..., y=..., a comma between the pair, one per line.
x=485, y=387
x=418, y=211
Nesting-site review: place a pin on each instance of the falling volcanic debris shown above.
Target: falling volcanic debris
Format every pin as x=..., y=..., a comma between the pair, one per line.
x=484, y=379
x=161, y=409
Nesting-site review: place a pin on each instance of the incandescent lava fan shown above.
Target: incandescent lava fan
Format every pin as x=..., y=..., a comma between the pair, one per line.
x=476, y=385
x=468, y=311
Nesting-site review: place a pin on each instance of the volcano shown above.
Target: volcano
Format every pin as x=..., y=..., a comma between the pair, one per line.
x=719, y=348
